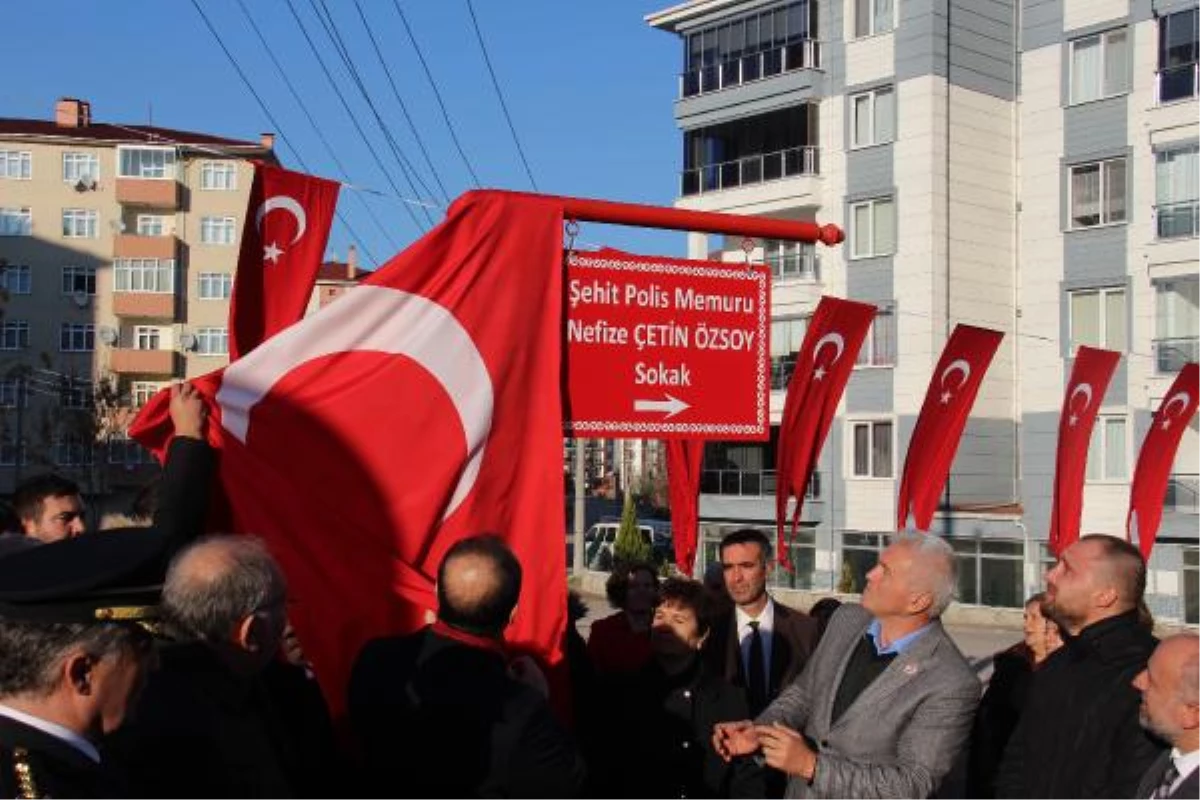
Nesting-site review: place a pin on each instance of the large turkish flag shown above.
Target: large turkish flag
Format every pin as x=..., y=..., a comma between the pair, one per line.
x=418, y=409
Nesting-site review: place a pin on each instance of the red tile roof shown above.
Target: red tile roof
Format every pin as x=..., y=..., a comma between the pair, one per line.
x=104, y=132
x=336, y=271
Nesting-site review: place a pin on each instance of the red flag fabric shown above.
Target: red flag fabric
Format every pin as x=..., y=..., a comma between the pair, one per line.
x=952, y=390
x=420, y=408
x=823, y=365
x=1148, y=490
x=283, y=241
x=1085, y=391
x=684, y=459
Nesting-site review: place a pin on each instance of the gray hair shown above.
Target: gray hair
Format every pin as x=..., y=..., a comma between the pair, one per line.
x=32, y=653
x=218, y=581
x=935, y=567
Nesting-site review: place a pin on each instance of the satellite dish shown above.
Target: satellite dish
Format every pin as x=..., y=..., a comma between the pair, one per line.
x=80, y=299
x=81, y=185
x=188, y=341
x=108, y=335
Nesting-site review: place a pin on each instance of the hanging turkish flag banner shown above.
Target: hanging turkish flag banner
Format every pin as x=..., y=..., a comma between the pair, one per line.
x=421, y=408
x=952, y=390
x=685, y=458
x=283, y=242
x=1148, y=490
x=823, y=365
x=1085, y=391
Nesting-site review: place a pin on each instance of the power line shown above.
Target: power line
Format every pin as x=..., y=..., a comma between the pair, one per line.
x=500, y=95
x=437, y=94
x=337, y=91
x=275, y=123
x=312, y=121
x=400, y=100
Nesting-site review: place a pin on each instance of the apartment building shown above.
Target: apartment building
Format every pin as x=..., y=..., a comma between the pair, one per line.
x=118, y=244
x=1028, y=166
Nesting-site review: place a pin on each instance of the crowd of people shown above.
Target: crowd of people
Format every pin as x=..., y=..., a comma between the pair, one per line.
x=158, y=662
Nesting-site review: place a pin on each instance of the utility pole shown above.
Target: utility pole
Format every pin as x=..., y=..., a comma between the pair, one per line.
x=580, y=488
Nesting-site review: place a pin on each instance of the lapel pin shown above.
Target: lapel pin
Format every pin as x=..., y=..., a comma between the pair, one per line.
x=910, y=669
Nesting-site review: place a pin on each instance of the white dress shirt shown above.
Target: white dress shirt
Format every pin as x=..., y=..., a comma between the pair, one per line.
x=766, y=629
x=1185, y=765
x=53, y=729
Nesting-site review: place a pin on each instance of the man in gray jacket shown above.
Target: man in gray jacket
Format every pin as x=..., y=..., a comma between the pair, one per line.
x=885, y=705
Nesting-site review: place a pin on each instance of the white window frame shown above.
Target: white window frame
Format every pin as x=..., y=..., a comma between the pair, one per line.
x=14, y=334
x=778, y=255
x=866, y=355
x=871, y=105
x=875, y=23
x=140, y=392
x=214, y=286
x=856, y=236
x=73, y=273
x=77, y=394
x=1074, y=90
x=8, y=452
x=14, y=390
x=76, y=337
x=1106, y=214
x=870, y=424
x=16, y=165
x=212, y=341
x=1105, y=342
x=79, y=166
x=152, y=225
x=16, y=222
x=1097, y=469
x=80, y=223
x=16, y=279
x=219, y=231
x=218, y=176
x=136, y=274
x=147, y=337
x=138, y=168
x=72, y=451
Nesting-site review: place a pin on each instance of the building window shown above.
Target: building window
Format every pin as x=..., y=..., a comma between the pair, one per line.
x=14, y=335
x=16, y=164
x=151, y=225
x=76, y=338
x=872, y=449
x=745, y=152
x=12, y=392
x=78, y=167
x=874, y=115
x=16, y=278
x=873, y=16
x=1178, y=51
x=9, y=451
x=16, y=222
x=860, y=554
x=79, y=223
x=1097, y=193
x=791, y=259
x=151, y=275
x=786, y=337
x=76, y=394
x=215, y=285
x=1099, y=66
x=156, y=163
x=217, y=230
x=146, y=338
x=218, y=175
x=79, y=280
x=128, y=453
x=750, y=47
x=879, y=348
x=873, y=228
x=1098, y=319
x=72, y=451
x=1177, y=192
x=989, y=572
x=140, y=392
x=1191, y=585
x=1177, y=321
x=1106, y=453
x=212, y=341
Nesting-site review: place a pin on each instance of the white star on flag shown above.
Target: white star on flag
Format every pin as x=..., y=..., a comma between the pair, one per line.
x=819, y=373
x=271, y=253
x=946, y=397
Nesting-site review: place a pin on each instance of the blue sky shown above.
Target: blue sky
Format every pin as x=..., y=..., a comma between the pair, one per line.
x=589, y=87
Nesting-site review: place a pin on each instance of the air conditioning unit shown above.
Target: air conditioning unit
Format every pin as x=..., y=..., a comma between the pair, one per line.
x=81, y=299
x=188, y=341
x=108, y=335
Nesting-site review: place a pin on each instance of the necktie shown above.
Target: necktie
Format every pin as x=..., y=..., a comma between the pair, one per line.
x=1169, y=777
x=756, y=679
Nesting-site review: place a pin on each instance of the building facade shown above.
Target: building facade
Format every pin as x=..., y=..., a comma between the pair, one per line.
x=118, y=246
x=1024, y=166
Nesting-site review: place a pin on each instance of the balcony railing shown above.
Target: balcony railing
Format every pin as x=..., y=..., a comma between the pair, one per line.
x=1177, y=83
x=1171, y=354
x=802, y=264
x=781, y=372
x=805, y=54
x=759, y=168
x=749, y=483
x=1177, y=220
x=1182, y=489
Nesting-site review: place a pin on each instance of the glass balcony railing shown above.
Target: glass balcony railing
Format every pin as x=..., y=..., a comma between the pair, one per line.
x=750, y=170
x=1177, y=83
x=804, y=54
x=1182, y=490
x=749, y=483
x=1177, y=220
x=1170, y=354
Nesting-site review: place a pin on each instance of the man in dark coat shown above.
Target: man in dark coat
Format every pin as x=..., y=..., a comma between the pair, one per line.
x=1170, y=687
x=1079, y=734
x=439, y=713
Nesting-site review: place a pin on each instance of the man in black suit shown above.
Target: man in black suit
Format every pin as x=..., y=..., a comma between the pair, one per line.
x=1170, y=687
x=441, y=713
x=759, y=644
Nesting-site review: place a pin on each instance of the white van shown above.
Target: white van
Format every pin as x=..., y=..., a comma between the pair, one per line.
x=600, y=539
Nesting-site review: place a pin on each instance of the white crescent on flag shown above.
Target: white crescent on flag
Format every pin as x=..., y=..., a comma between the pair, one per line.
x=1183, y=398
x=834, y=339
x=1084, y=389
x=284, y=203
x=959, y=365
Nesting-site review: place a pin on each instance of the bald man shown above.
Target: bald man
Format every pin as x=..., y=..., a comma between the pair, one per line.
x=441, y=713
x=1170, y=687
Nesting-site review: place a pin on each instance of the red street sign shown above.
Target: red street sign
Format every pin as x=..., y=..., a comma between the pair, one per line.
x=661, y=348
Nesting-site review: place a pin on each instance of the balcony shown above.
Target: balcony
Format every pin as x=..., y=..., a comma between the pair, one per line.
x=149, y=192
x=1182, y=489
x=804, y=54
x=1171, y=354
x=145, y=305
x=127, y=361
x=127, y=245
x=1177, y=220
x=749, y=483
x=752, y=170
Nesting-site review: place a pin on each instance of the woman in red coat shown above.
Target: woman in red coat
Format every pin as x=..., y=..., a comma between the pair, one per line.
x=621, y=643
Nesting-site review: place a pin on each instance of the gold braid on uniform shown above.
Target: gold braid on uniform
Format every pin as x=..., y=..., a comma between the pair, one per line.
x=26, y=788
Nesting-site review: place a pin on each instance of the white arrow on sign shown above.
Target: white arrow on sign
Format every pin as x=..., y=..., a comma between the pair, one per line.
x=672, y=405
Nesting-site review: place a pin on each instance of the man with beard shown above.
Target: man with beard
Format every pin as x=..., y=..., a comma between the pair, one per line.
x=1079, y=734
x=1170, y=687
